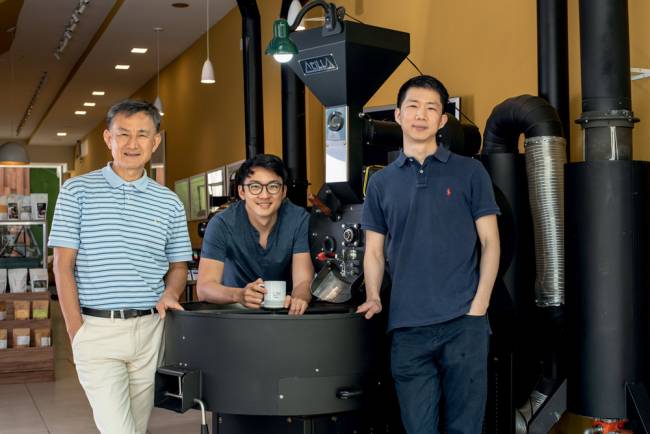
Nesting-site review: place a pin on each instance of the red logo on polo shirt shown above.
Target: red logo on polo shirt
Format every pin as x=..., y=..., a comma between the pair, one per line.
x=448, y=191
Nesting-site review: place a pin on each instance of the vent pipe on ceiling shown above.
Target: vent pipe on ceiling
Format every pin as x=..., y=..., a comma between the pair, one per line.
x=253, y=104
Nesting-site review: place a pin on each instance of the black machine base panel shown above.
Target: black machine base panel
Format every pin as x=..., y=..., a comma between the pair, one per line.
x=606, y=233
x=267, y=363
x=341, y=423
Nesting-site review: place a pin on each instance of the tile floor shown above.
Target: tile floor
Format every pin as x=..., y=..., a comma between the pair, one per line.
x=61, y=407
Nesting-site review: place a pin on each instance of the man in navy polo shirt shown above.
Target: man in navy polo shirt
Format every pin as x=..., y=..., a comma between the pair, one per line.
x=436, y=210
x=261, y=237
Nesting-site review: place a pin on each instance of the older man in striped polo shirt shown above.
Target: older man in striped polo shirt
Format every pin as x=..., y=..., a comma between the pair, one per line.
x=120, y=250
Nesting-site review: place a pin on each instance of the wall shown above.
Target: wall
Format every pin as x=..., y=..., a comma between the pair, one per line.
x=51, y=154
x=483, y=51
x=98, y=153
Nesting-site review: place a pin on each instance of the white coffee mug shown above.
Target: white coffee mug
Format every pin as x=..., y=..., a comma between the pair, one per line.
x=276, y=291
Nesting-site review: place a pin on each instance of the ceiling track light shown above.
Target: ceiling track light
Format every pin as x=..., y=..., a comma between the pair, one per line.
x=207, y=72
x=70, y=27
x=32, y=102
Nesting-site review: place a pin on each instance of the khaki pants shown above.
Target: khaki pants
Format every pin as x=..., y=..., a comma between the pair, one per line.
x=116, y=362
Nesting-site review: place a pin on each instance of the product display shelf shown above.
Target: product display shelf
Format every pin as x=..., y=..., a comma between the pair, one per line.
x=25, y=365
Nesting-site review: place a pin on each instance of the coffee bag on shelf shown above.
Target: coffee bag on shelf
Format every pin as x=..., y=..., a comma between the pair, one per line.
x=3, y=280
x=13, y=207
x=25, y=207
x=39, y=206
x=40, y=309
x=3, y=339
x=42, y=337
x=21, y=337
x=38, y=278
x=21, y=309
x=17, y=279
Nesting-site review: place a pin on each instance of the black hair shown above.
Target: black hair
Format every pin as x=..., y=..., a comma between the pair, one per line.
x=129, y=107
x=427, y=82
x=265, y=161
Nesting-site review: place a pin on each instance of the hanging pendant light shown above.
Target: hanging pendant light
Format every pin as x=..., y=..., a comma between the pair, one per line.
x=207, y=73
x=158, y=103
x=13, y=153
x=294, y=10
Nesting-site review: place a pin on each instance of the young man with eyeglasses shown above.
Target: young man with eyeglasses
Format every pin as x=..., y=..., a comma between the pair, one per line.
x=261, y=237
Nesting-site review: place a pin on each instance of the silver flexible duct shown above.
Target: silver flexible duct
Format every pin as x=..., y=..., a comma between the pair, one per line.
x=545, y=159
x=526, y=412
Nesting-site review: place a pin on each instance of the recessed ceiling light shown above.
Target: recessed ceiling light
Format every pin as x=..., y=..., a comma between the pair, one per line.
x=138, y=50
x=122, y=66
x=80, y=112
x=89, y=104
x=61, y=134
x=98, y=92
x=180, y=5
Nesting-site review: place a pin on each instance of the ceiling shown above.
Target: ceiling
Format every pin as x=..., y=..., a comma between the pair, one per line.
x=104, y=36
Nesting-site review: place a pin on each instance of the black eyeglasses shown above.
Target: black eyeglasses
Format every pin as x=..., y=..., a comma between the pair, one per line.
x=255, y=188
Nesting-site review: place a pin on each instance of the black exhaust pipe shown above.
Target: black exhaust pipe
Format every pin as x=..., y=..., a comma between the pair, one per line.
x=531, y=115
x=253, y=104
x=607, y=117
x=553, y=59
x=608, y=243
x=294, y=143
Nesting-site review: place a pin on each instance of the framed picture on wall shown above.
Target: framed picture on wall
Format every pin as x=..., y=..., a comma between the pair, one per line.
x=158, y=161
x=198, y=197
x=182, y=189
x=231, y=171
x=216, y=182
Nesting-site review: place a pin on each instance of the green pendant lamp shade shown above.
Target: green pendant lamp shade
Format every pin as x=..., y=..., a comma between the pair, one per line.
x=281, y=47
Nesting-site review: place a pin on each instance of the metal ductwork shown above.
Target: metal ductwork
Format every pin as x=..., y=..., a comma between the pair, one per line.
x=607, y=119
x=608, y=242
x=529, y=115
x=545, y=158
x=253, y=104
x=553, y=58
x=294, y=142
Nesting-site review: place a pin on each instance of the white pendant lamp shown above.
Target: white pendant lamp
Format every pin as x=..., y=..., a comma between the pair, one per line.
x=207, y=72
x=158, y=103
x=294, y=10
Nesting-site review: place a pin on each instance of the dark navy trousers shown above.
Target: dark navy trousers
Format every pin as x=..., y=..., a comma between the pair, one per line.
x=440, y=374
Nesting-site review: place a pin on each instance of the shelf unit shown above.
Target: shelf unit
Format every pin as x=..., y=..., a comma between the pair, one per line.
x=33, y=364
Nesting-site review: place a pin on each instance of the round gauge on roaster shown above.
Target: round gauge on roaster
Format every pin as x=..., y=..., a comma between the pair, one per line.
x=350, y=235
x=335, y=121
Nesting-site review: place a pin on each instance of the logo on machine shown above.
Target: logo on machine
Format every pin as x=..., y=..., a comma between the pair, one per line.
x=315, y=65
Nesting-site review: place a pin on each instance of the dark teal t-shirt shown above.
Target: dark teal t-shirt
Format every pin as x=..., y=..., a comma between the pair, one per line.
x=231, y=239
x=428, y=214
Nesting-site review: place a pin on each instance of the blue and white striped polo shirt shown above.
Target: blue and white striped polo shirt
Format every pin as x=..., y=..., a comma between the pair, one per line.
x=125, y=234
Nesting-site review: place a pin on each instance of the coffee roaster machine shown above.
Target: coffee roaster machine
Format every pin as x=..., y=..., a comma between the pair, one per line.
x=573, y=269
x=326, y=371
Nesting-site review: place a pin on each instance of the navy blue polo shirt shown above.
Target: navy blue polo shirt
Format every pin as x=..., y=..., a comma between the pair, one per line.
x=428, y=214
x=230, y=238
